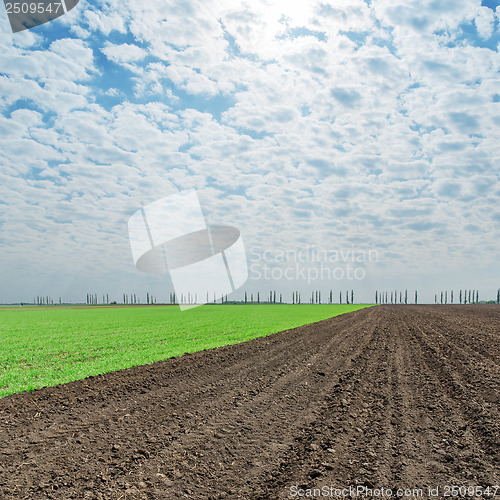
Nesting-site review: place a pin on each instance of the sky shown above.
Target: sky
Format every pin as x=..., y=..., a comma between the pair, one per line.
x=354, y=144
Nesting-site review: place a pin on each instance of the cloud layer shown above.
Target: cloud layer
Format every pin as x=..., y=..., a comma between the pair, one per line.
x=374, y=125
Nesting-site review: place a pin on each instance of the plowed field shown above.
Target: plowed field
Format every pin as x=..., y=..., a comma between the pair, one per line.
x=385, y=397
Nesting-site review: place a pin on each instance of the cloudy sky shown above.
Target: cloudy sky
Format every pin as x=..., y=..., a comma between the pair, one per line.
x=369, y=127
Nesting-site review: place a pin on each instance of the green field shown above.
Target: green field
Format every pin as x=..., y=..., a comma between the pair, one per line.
x=46, y=346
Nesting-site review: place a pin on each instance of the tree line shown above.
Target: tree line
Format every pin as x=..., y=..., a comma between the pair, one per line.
x=392, y=297
x=465, y=297
x=45, y=301
x=346, y=297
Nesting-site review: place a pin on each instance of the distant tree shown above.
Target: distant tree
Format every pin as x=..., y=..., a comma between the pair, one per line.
x=147, y=298
x=446, y=297
x=340, y=297
x=416, y=296
x=258, y=297
x=376, y=297
x=406, y=296
x=347, y=297
x=498, y=296
x=352, y=296
x=435, y=298
x=460, y=297
x=451, y=297
x=281, y=298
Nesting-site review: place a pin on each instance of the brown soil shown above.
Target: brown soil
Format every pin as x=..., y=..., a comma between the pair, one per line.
x=385, y=397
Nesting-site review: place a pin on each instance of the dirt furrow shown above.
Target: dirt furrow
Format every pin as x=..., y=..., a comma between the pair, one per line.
x=386, y=397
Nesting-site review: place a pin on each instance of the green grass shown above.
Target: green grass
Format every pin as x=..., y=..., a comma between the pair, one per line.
x=42, y=347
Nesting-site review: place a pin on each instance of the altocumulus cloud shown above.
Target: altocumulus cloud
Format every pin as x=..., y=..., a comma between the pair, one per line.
x=372, y=124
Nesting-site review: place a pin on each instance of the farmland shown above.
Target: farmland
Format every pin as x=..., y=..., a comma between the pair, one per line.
x=387, y=397
x=47, y=346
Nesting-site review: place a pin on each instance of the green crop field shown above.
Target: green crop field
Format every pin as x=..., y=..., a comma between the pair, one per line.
x=42, y=347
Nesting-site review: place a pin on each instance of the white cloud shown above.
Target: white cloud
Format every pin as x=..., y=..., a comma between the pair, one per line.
x=124, y=52
x=104, y=22
x=353, y=124
x=484, y=22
